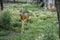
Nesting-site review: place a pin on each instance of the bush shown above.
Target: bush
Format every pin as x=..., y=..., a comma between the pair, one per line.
x=5, y=20
x=40, y=25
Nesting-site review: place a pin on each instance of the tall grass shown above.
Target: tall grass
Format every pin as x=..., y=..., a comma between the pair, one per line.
x=41, y=24
x=5, y=19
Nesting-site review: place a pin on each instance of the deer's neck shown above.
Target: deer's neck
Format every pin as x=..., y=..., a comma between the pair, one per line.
x=21, y=13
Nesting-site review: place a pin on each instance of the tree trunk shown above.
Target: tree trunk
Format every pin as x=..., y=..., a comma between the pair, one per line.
x=1, y=3
x=14, y=1
x=57, y=4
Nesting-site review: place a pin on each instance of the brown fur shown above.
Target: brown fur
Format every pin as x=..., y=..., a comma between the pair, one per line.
x=51, y=5
x=24, y=17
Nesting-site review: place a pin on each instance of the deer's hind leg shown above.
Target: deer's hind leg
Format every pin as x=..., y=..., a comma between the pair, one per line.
x=26, y=24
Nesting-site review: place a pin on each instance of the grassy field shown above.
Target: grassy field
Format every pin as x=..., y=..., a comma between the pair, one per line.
x=41, y=25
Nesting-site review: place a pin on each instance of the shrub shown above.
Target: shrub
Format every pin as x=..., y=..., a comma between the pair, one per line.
x=5, y=19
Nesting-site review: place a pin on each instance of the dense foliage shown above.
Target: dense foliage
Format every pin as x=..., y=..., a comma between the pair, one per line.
x=5, y=20
x=41, y=24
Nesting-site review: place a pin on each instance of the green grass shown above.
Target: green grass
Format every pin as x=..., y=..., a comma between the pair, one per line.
x=41, y=24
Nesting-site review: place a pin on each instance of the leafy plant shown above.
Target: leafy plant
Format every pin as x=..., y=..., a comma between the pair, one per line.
x=5, y=19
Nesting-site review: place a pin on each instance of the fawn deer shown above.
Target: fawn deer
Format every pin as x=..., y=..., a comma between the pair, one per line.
x=24, y=17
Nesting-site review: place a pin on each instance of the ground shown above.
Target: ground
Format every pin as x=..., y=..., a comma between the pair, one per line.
x=41, y=25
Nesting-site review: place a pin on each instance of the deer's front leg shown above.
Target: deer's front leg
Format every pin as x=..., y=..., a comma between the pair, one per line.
x=22, y=28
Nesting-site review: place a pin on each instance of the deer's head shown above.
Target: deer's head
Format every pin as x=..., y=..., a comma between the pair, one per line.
x=21, y=11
